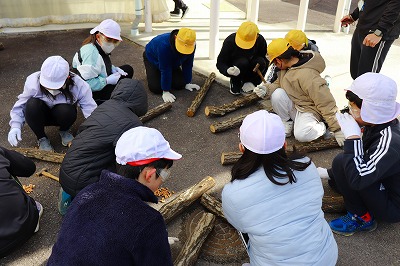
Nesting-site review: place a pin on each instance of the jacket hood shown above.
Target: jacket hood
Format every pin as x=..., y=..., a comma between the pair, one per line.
x=132, y=93
x=316, y=62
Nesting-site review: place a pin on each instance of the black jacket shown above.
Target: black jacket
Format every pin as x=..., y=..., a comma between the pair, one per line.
x=230, y=52
x=375, y=158
x=18, y=212
x=92, y=150
x=379, y=14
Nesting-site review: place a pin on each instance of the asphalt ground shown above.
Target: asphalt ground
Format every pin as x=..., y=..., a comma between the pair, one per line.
x=24, y=54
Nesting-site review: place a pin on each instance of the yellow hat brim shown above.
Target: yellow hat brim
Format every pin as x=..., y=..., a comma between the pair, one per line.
x=244, y=44
x=184, y=48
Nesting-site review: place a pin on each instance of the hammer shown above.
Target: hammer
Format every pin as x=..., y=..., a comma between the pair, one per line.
x=259, y=72
x=47, y=174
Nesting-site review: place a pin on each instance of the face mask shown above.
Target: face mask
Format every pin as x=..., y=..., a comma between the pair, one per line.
x=107, y=47
x=54, y=92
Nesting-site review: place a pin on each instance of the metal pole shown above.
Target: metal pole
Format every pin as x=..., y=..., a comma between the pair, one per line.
x=214, y=29
x=147, y=17
x=301, y=21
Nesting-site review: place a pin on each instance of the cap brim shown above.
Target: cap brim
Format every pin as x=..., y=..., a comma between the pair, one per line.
x=184, y=49
x=244, y=44
x=373, y=114
x=51, y=85
x=172, y=155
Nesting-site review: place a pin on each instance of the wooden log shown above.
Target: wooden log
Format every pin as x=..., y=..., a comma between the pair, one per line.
x=332, y=202
x=200, y=95
x=185, y=198
x=191, y=249
x=212, y=204
x=48, y=156
x=230, y=107
x=156, y=111
x=230, y=157
x=228, y=124
x=300, y=147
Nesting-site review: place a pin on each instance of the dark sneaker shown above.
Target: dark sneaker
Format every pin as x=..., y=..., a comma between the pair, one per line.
x=64, y=200
x=184, y=11
x=235, y=87
x=44, y=144
x=176, y=12
x=349, y=224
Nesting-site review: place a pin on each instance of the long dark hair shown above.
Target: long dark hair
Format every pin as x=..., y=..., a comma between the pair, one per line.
x=134, y=171
x=354, y=98
x=276, y=165
x=66, y=92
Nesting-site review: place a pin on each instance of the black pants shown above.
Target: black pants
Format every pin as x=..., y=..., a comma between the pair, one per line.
x=365, y=59
x=154, y=77
x=374, y=199
x=15, y=204
x=247, y=74
x=179, y=4
x=38, y=115
x=105, y=93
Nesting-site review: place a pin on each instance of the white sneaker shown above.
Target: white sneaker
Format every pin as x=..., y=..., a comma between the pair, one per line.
x=288, y=128
x=40, y=209
x=248, y=87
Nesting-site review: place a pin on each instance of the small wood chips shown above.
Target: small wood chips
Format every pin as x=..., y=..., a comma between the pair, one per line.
x=164, y=193
x=28, y=188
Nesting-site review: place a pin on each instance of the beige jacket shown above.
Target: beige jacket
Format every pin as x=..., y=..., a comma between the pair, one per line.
x=308, y=90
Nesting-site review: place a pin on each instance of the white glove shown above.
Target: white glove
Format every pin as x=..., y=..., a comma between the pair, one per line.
x=113, y=78
x=260, y=90
x=172, y=240
x=191, y=86
x=118, y=70
x=248, y=87
x=348, y=125
x=14, y=136
x=233, y=71
x=323, y=173
x=168, y=97
x=339, y=136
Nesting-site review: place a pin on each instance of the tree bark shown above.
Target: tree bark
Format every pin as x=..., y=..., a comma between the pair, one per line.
x=48, y=156
x=230, y=107
x=300, y=147
x=185, y=198
x=212, y=204
x=228, y=124
x=200, y=95
x=191, y=249
x=156, y=111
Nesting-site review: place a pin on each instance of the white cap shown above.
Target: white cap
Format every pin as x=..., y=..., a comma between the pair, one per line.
x=54, y=72
x=262, y=132
x=142, y=145
x=109, y=28
x=378, y=93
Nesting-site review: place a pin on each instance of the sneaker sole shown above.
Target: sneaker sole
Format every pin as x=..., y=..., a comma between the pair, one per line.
x=370, y=229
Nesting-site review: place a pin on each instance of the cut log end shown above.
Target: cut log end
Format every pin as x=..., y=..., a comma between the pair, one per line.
x=190, y=113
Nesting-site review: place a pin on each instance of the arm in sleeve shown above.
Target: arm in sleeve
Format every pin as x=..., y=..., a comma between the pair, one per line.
x=231, y=213
x=223, y=62
x=187, y=68
x=363, y=172
x=17, y=113
x=390, y=16
x=152, y=246
x=85, y=98
x=320, y=94
x=91, y=69
x=17, y=164
x=164, y=57
x=355, y=14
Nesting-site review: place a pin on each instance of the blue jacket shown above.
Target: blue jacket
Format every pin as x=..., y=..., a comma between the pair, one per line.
x=161, y=52
x=110, y=223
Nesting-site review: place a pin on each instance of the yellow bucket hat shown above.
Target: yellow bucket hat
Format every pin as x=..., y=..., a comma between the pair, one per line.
x=276, y=48
x=246, y=35
x=185, y=41
x=297, y=39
